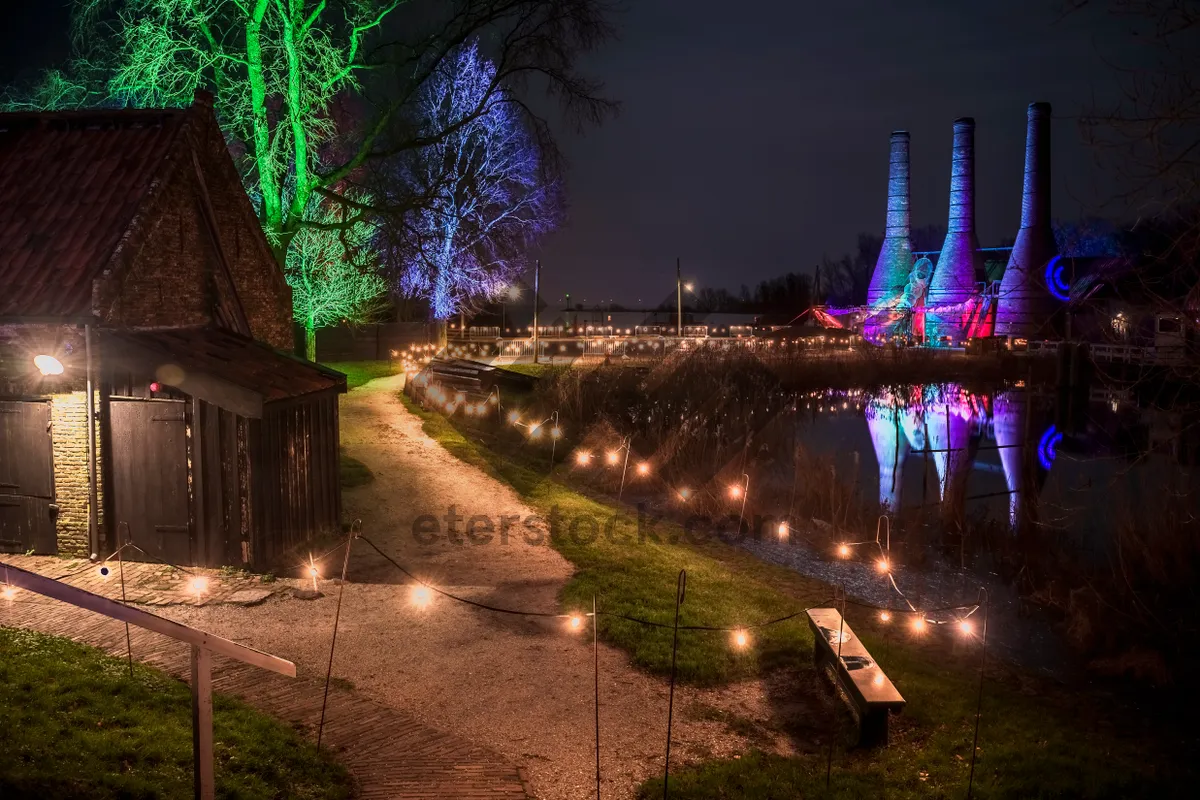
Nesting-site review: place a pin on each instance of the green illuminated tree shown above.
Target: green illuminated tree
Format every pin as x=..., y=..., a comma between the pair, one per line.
x=278, y=66
x=334, y=273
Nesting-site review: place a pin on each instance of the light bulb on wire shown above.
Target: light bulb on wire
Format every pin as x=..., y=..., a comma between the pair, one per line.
x=582, y=458
x=421, y=596
x=740, y=639
x=884, y=616
x=844, y=550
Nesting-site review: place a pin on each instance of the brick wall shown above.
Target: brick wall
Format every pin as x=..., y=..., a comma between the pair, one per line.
x=265, y=295
x=68, y=421
x=167, y=285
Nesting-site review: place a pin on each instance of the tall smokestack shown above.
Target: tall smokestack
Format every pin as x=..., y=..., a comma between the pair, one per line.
x=895, y=258
x=955, y=276
x=1025, y=302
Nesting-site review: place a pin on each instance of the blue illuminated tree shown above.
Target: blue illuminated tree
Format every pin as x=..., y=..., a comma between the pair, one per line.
x=485, y=197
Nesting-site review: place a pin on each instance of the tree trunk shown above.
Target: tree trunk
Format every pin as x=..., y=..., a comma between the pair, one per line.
x=310, y=343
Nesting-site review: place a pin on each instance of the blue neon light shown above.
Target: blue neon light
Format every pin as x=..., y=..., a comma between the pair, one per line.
x=1055, y=281
x=1047, y=447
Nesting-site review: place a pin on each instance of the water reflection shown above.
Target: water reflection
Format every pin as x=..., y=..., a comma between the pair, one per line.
x=957, y=429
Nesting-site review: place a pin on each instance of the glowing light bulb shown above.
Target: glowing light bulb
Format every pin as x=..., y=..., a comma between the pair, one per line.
x=535, y=432
x=9, y=592
x=421, y=596
x=966, y=628
x=576, y=622
x=783, y=530
x=312, y=571
x=556, y=432
x=199, y=584
x=844, y=550
x=612, y=456
x=582, y=458
x=919, y=624
x=48, y=365
x=685, y=494
x=514, y=418
x=740, y=639
x=882, y=565
x=735, y=491
x=643, y=468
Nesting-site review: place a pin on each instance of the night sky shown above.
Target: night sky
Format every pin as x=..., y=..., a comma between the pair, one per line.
x=753, y=135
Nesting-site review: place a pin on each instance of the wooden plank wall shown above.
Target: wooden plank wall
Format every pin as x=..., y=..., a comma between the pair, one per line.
x=296, y=474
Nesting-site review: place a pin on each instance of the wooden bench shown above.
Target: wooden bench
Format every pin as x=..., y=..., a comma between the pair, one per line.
x=861, y=682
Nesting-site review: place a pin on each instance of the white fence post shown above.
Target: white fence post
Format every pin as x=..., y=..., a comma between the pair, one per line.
x=202, y=722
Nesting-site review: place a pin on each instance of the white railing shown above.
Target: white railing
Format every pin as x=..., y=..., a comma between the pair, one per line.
x=203, y=646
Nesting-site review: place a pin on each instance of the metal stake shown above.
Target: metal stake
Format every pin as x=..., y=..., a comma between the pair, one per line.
x=596, y=658
x=121, y=568
x=621, y=491
x=337, y=616
x=680, y=589
x=979, y=701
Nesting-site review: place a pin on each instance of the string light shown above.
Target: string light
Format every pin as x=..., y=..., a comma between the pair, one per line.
x=421, y=596
x=556, y=432
x=885, y=616
x=844, y=550
x=535, y=432
x=919, y=624
x=882, y=565
x=514, y=418
x=741, y=639
x=735, y=491
x=685, y=494
x=783, y=530
x=576, y=622
x=612, y=456
x=966, y=627
x=643, y=468
x=582, y=458
x=199, y=584
x=9, y=592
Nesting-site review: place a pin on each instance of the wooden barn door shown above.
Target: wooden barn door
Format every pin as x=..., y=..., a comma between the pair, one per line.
x=150, y=488
x=26, y=478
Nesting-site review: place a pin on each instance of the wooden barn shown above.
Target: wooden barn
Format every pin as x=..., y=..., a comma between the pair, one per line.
x=147, y=391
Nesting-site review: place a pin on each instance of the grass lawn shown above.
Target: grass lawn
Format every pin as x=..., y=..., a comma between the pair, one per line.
x=359, y=372
x=536, y=370
x=354, y=473
x=1034, y=742
x=73, y=726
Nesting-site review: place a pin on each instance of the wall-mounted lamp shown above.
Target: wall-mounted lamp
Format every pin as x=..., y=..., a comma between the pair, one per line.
x=48, y=365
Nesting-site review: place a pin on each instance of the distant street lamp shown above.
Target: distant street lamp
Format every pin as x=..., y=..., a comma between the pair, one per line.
x=680, y=286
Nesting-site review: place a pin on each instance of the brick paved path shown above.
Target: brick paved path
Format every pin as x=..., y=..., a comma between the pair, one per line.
x=390, y=753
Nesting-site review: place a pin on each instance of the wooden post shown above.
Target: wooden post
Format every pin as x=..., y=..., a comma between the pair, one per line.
x=202, y=734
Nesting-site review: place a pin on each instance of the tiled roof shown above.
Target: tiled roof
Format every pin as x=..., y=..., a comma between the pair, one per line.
x=232, y=357
x=71, y=187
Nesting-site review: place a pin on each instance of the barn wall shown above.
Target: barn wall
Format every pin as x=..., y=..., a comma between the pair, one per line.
x=167, y=284
x=296, y=475
x=265, y=295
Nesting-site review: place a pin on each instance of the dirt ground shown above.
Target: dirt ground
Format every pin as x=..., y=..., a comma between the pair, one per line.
x=522, y=686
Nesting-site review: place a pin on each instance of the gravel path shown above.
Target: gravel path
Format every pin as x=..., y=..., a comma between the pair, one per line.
x=519, y=686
